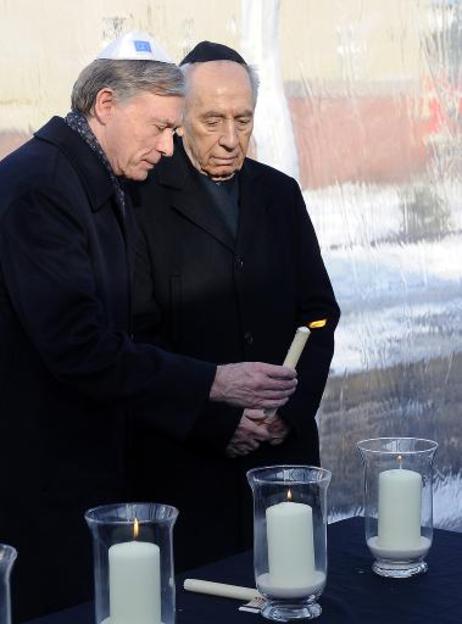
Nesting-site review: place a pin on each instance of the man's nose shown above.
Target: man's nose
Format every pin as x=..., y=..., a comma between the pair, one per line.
x=229, y=137
x=165, y=144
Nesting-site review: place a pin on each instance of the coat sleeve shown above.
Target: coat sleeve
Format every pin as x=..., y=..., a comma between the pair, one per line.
x=216, y=422
x=48, y=274
x=315, y=300
x=147, y=314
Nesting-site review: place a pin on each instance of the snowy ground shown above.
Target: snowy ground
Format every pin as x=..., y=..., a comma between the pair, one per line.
x=400, y=301
x=400, y=291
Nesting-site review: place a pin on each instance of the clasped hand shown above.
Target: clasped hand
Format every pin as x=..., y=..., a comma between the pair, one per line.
x=254, y=428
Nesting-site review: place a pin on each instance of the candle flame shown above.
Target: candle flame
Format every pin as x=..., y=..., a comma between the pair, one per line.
x=289, y=495
x=136, y=528
x=400, y=460
x=317, y=324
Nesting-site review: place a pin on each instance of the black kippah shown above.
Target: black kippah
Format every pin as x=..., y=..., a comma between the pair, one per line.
x=209, y=51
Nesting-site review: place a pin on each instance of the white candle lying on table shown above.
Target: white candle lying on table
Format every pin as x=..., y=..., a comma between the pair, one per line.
x=221, y=589
x=399, y=515
x=291, y=560
x=134, y=583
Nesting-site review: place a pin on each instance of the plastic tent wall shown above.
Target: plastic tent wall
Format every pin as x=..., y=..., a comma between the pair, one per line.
x=361, y=101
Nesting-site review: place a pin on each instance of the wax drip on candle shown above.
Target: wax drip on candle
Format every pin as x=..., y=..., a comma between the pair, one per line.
x=136, y=529
x=317, y=324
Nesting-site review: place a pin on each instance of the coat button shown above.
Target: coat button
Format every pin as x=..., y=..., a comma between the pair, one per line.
x=248, y=338
x=239, y=262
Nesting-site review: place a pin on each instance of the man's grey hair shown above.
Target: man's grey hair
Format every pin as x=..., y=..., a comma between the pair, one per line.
x=125, y=79
x=250, y=69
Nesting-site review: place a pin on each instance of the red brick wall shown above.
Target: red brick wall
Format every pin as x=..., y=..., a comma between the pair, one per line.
x=370, y=139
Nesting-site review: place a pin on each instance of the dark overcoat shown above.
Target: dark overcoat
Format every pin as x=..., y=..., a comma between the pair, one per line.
x=199, y=292
x=69, y=371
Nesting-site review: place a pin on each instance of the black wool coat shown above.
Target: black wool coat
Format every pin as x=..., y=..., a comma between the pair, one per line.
x=201, y=293
x=69, y=371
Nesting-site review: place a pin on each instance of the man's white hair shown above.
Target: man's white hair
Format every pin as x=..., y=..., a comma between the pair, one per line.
x=250, y=69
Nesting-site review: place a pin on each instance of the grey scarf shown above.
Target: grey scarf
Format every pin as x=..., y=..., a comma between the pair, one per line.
x=78, y=122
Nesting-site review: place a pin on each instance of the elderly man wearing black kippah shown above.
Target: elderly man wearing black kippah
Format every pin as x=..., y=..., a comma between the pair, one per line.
x=228, y=267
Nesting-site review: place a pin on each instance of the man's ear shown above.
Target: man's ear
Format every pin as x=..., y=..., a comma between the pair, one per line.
x=104, y=105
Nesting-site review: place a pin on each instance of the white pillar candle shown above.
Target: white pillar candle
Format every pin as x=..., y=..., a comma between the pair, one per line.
x=134, y=583
x=290, y=545
x=400, y=503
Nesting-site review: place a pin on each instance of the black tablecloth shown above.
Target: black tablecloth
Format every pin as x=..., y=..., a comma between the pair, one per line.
x=353, y=593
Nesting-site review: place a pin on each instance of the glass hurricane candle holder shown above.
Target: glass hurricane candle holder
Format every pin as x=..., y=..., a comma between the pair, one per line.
x=133, y=563
x=290, y=538
x=398, y=503
x=8, y=556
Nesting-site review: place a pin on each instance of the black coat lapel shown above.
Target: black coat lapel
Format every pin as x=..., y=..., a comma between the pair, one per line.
x=188, y=197
x=251, y=209
x=131, y=233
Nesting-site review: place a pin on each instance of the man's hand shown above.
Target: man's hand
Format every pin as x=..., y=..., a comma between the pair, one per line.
x=253, y=384
x=247, y=437
x=276, y=426
x=278, y=429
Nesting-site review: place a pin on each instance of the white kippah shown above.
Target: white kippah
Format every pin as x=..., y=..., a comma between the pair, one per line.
x=134, y=46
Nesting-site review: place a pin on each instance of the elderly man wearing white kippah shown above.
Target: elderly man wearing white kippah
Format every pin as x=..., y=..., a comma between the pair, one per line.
x=69, y=370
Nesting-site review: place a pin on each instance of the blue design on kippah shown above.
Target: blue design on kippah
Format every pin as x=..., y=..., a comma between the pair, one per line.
x=142, y=46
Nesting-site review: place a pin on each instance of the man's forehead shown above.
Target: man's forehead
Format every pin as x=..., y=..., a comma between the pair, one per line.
x=213, y=75
x=160, y=108
x=167, y=120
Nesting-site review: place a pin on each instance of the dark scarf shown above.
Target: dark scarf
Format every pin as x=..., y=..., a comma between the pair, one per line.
x=78, y=122
x=225, y=196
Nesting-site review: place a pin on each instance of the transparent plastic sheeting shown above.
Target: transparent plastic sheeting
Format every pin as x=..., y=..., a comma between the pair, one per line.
x=376, y=115
x=389, y=220
x=361, y=101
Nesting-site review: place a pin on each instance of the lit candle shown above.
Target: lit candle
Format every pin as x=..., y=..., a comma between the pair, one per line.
x=400, y=503
x=298, y=343
x=290, y=544
x=295, y=351
x=291, y=562
x=296, y=348
x=134, y=582
x=399, y=516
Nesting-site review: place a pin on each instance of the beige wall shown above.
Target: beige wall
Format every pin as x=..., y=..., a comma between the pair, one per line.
x=360, y=40
x=46, y=42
